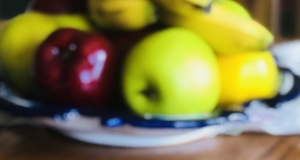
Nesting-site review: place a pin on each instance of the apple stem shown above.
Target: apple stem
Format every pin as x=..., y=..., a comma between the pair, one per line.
x=67, y=53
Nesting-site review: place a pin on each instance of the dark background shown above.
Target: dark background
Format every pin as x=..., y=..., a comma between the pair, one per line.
x=10, y=8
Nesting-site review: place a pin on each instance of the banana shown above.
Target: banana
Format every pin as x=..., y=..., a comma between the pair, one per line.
x=225, y=31
x=234, y=7
x=121, y=14
x=204, y=4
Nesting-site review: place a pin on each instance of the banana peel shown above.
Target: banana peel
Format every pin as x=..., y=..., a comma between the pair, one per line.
x=227, y=32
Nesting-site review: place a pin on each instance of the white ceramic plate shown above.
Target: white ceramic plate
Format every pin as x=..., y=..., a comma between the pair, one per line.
x=90, y=129
x=129, y=131
x=99, y=127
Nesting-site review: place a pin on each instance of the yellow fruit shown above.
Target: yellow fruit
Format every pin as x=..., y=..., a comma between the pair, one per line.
x=166, y=76
x=225, y=31
x=19, y=39
x=77, y=21
x=247, y=76
x=235, y=7
x=121, y=14
x=202, y=3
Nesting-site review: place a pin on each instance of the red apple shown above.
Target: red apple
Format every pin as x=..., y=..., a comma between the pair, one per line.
x=73, y=67
x=58, y=6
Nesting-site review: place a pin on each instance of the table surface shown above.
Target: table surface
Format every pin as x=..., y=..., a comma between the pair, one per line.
x=36, y=143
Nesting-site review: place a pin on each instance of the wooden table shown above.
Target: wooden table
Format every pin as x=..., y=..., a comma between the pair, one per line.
x=40, y=143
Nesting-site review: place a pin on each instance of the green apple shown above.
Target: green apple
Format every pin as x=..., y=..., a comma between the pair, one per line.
x=171, y=74
x=19, y=39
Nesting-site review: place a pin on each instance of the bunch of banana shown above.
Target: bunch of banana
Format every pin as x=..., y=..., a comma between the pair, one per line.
x=224, y=24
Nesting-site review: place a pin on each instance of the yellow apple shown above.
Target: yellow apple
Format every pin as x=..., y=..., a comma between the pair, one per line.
x=248, y=76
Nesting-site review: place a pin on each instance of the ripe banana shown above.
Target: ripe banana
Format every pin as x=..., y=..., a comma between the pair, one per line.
x=225, y=31
x=204, y=4
x=121, y=14
x=234, y=7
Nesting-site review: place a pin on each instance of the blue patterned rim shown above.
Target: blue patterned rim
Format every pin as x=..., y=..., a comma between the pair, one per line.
x=18, y=107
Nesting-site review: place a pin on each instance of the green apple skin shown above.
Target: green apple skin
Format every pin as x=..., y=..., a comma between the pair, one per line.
x=171, y=73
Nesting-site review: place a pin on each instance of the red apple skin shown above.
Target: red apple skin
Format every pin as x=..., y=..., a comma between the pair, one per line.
x=58, y=6
x=123, y=41
x=77, y=68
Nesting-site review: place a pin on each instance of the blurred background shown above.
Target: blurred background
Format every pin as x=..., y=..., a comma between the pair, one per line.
x=280, y=16
x=10, y=8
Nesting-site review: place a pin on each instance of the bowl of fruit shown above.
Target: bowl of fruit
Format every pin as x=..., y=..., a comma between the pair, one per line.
x=137, y=73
